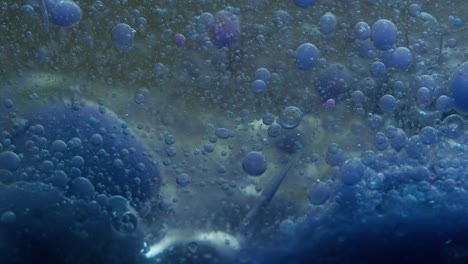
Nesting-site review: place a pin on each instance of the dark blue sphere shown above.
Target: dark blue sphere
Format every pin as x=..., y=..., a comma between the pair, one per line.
x=458, y=87
x=254, y=163
x=306, y=56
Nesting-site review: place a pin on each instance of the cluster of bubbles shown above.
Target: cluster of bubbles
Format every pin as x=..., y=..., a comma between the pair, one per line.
x=356, y=108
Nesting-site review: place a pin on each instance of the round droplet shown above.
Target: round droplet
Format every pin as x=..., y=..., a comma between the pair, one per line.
x=9, y=160
x=319, y=193
x=352, y=171
x=123, y=36
x=306, y=56
x=254, y=163
x=65, y=13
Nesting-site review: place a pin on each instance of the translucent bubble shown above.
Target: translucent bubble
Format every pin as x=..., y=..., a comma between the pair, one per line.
x=263, y=74
x=290, y=117
x=274, y=130
x=362, y=30
x=319, y=193
x=258, y=86
x=268, y=119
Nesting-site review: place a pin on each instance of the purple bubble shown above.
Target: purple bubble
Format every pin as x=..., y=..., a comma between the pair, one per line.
x=179, y=40
x=226, y=29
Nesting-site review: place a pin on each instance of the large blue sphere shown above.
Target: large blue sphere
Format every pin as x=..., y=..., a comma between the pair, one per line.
x=83, y=141
x=254, y=163
x=384, y=34
x=458, y=86
x=65, y=13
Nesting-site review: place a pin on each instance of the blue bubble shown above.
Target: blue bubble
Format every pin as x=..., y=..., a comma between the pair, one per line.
x=352, y=171
x=306, y=56
x=275, y=130
x=208, y=148
x=358, y=97
x=444, y=104
x=387, y=103
x=258, y=87
x=327, y=23
x=171, y=151
x=384, y=34
x=362, y=30
x=254, y=163
x=9, y=161
x=402, y=58
x=65, y=13
x=123, y=36
x=304, y=3
x=378, y=70
x=398, y=139
x=458, y=87
x=319, y=193
x=268, y=119
x=223, y=133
